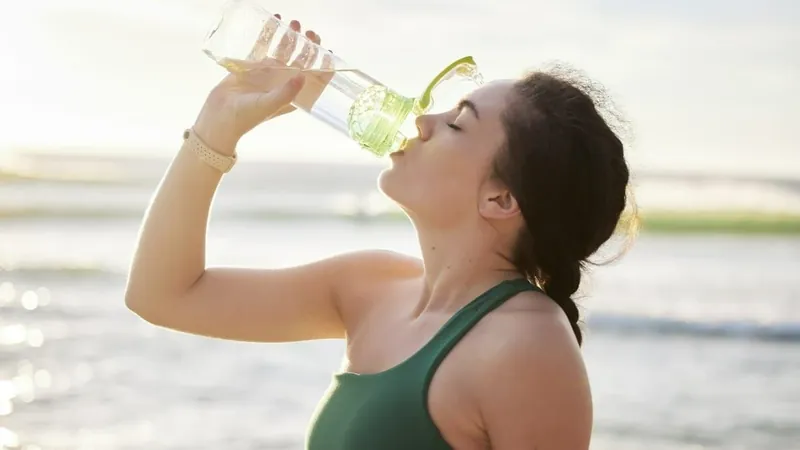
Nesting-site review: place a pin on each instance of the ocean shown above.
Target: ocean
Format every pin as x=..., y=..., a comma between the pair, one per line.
x=693, y=340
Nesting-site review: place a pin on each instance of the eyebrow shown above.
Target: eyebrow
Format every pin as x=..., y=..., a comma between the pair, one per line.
x=470, y=106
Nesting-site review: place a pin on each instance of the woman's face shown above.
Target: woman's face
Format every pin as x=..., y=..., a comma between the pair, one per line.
x=443, y=175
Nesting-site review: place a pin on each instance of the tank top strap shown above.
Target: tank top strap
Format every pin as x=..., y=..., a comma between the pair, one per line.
x=467, y=317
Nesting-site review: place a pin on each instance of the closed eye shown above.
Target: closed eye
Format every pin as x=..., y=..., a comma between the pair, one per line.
x=454, y=126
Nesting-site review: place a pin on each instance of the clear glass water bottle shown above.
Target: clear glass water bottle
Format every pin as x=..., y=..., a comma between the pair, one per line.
x=336, y=93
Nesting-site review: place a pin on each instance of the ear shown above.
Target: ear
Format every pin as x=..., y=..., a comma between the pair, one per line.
x=497, y=203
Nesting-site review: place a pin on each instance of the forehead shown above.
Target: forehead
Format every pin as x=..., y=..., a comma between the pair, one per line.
x=490, y=99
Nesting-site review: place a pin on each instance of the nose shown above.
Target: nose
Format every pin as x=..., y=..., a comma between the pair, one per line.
x=425, y=125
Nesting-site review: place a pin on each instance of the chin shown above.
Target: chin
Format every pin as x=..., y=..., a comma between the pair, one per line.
x=387, y=182
x=393, y=185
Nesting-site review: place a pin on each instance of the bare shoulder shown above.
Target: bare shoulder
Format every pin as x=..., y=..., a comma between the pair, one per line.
x=367, y=273
x=532, y=387
x=378, y=261
x=530, y=329
x=364, y=270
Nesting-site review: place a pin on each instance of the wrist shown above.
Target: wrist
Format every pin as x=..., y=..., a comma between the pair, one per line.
x=193, y=143
x=215, y=137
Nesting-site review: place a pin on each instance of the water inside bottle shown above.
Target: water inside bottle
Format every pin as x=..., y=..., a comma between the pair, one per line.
x=350, y=101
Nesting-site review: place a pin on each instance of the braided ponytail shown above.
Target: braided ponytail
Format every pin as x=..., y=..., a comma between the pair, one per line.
x=560, y=283
x=558, y=279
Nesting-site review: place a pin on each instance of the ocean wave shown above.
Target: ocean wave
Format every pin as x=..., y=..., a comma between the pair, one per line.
x=312, y=212
x=58, y=271
x=735, y=329
x=599, y=321
x=70, y=213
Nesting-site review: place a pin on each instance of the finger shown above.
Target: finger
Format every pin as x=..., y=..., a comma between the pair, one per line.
x=288, y=43
x=315, y=38
x=308, y=54
x=261, y=47
x=327, y=61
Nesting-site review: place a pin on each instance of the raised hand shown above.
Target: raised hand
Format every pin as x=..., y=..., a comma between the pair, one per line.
x=262, y=87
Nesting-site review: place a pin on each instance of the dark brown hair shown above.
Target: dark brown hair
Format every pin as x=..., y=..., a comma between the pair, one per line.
x=566, y=168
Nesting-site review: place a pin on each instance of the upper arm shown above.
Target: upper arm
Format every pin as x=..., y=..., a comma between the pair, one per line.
x=268, y=305
x=535, y=393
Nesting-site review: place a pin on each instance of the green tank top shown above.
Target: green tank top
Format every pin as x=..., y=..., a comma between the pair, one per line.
x=389, y=410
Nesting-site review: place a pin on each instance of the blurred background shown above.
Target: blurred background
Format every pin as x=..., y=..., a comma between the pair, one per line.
x=693, y=337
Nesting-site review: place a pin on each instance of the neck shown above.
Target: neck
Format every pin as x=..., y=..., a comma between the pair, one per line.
x=460, y=264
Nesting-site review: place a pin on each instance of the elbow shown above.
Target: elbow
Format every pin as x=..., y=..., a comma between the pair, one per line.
x=133, y=302
x=137, y=304
x=152, y=302
x=134, y=296
x=143, y=304
x=152, y=306
x=146, y=309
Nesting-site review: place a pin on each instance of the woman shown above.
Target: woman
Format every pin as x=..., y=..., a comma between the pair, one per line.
x=474, y=346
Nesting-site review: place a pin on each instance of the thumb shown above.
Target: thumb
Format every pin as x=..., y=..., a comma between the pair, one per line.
x=269, y=103
x=284, y=95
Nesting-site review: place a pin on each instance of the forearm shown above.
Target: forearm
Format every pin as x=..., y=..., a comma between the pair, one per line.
x=170, y=254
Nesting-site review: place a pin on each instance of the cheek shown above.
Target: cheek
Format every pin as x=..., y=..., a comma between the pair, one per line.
x=430, y=186
x=449, y=182
x=438, y=180
x=443, y=167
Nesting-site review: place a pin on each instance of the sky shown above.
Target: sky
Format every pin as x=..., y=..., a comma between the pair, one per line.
x=705, y=85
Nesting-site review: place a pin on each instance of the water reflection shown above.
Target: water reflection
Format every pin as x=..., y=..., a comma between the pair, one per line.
x=35, y=337
x=17, y=333
x=24, y=387
x=7, y=393
x=7, y=292
x=20, y=381
x=44, y=296
x=12, y=334
x=8, y=439
x=29, y=300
